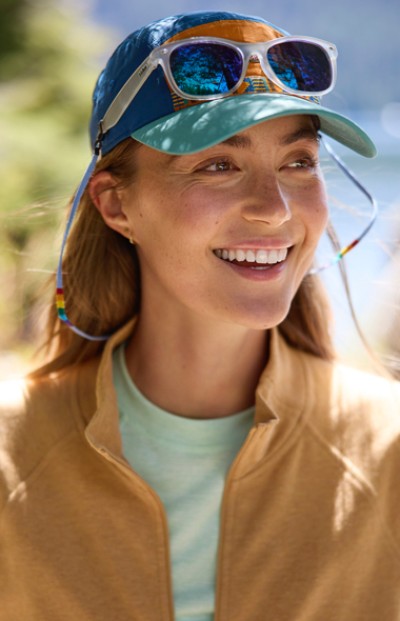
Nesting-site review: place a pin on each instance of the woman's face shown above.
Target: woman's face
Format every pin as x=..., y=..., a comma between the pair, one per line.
x=229, y=233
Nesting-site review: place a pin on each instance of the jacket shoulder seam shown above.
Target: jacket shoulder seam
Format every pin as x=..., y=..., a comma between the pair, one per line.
x=366, y=487
x=37, y=469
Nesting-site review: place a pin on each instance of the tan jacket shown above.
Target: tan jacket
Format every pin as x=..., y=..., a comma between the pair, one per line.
x=310, y=524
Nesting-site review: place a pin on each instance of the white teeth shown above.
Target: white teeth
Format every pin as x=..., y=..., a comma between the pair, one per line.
x=250, y=256
x=273, y=256
x=261, y=256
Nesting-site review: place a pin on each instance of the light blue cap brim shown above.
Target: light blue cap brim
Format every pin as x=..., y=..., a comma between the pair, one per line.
x=201, y=126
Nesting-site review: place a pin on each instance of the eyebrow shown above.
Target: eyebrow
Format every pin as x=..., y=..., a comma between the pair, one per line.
x=304, y=133
x=241, y=141
x=238, y=140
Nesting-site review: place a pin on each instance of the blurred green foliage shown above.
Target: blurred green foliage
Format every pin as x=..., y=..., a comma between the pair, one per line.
x=50, y=58
x=11, y=40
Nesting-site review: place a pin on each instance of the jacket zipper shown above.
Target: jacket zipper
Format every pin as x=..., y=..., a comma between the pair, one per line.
x=259, y=429
x=167, y=556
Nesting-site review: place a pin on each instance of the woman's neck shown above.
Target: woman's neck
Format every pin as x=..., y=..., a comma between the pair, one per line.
x=194, y=367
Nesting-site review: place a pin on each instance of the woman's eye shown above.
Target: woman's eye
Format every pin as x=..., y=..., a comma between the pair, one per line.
x=219, y=166
x=304, y=163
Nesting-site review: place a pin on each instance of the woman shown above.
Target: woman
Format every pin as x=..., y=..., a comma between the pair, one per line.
x=208, y=459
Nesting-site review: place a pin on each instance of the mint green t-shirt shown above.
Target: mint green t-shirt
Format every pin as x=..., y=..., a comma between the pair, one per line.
x=186, y=462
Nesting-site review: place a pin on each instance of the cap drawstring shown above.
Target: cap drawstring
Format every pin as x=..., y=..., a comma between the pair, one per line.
x=60, y=298
x=350, y=174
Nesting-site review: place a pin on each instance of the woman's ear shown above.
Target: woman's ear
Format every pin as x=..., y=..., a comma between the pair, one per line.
x=103, y=190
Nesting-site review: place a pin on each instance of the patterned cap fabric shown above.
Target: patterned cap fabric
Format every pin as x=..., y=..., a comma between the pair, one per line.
x=161, y=119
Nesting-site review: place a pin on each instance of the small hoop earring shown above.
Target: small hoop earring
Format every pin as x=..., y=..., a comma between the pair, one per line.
x=130, y=236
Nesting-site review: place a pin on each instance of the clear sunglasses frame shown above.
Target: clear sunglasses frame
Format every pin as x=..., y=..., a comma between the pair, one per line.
x=248, y=52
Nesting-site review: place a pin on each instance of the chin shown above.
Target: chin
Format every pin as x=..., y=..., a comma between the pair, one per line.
x=261, y=316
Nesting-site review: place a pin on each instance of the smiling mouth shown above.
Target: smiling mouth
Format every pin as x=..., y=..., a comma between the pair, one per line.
x=256, y=259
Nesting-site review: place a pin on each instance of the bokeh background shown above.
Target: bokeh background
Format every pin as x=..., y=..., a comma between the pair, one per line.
x=51, y=52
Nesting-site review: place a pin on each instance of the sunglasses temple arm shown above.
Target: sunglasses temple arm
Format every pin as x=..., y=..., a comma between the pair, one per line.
x=127, y=93
x=350, y=174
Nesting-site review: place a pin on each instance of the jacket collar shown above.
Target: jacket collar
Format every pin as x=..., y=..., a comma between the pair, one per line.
x=286, y=392
x=103, y=428
x=293, y=387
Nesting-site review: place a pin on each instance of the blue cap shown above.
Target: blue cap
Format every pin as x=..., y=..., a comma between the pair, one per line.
x=160, y=119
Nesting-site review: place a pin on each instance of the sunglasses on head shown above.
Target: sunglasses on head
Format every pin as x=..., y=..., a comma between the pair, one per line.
x=205, y=68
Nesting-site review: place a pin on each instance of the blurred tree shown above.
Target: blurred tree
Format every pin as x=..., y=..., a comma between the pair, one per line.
x=11, y=29
x=50, y=57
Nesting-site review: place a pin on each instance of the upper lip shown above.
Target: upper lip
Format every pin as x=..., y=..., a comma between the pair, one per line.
x=257, y=244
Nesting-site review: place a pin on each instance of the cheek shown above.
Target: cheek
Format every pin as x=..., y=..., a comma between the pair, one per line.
x=315, y=212
x=319, y=219
x=194, y=217
x=176, y=224
x=201, y=208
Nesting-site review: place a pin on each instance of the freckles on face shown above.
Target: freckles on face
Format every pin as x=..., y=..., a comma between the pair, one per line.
x=259, y=195
x=313, y=213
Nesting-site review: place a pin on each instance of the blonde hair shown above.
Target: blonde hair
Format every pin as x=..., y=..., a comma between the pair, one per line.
x=102, y=285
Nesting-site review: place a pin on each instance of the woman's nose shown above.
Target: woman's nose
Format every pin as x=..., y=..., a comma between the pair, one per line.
x=266, y=202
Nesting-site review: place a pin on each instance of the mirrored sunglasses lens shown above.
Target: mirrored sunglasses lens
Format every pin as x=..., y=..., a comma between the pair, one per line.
x=301, y=66
x=205, y=68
